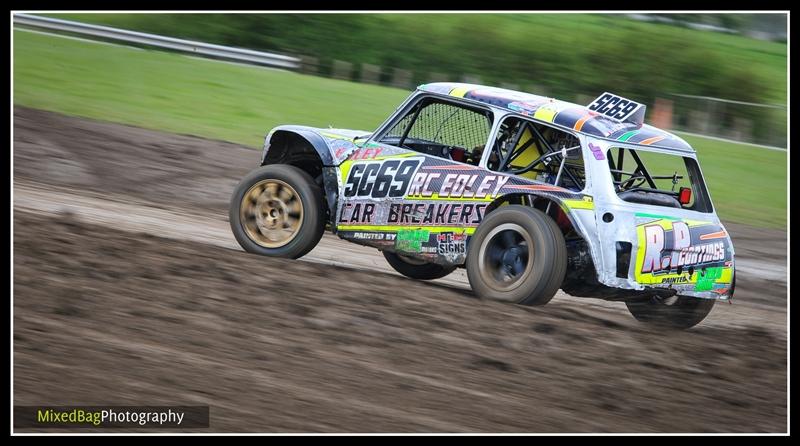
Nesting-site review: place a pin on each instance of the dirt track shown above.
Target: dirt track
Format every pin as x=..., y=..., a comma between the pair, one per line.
x=106, y=311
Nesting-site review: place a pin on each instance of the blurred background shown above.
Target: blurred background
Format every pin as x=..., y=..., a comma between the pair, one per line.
x=725, y=74
x=722, y=76
x=127, y=147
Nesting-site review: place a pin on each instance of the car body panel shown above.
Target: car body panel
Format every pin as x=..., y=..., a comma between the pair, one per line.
x=428, y=207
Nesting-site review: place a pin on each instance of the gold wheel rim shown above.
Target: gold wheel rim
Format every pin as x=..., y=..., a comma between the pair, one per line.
x=271, y=213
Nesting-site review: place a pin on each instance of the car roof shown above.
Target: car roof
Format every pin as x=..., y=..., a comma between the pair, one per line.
x=565, y=114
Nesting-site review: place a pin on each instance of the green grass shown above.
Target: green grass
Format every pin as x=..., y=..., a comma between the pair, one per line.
x=181, y=94
x=236, y=103
x=748, y=184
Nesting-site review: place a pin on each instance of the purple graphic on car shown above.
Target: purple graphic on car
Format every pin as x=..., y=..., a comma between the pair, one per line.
x=597, y=152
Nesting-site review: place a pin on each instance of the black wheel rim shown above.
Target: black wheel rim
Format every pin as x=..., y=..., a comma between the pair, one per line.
x=506, y=257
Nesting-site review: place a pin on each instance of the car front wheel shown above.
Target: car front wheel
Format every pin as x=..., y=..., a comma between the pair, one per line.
x=278, y=211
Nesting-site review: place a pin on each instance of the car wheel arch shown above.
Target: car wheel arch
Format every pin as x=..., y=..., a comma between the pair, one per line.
x=290, y=146
x=571, y=230
x=308, y=152
x=537, y=201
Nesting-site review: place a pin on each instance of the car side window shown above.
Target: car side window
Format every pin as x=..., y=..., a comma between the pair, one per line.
x=522, y=148
x=443, y=129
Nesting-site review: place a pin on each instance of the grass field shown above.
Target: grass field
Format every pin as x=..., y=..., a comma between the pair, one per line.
x=236, y=103
x=180, y=94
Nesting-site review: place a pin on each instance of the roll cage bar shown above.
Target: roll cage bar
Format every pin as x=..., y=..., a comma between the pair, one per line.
x=640, y=173
x=557, y=155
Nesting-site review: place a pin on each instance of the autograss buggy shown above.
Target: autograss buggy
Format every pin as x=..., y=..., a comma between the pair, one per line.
x=528, y=193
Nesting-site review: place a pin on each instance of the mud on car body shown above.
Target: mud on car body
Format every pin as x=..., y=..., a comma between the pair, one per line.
x=528, y=193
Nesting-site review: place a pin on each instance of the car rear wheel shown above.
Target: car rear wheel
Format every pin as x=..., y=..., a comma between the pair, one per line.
x=517, y=255
x=277, y=211
x=676, y=312
x=415, y=268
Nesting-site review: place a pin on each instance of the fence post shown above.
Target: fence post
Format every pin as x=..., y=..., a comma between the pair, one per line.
x=309, y=64
x=698, y=121
x=471, y=79
x=662, y=113
x=710, y=124
x=742, y=129
x=536, y=89
x=437, y=77
x=583, y=99
x=342, y=70
x=370, y=74
x=401, y=78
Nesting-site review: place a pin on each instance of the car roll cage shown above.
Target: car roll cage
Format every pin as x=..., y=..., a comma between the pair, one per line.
x=640, y=172
x=557, y=155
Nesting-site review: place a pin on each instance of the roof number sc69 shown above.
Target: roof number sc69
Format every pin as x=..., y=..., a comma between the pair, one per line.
x=613, y=106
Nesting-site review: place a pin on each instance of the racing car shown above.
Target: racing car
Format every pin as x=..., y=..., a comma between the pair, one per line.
x=530, y=194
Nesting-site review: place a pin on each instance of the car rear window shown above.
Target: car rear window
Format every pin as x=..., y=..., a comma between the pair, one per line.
x=658, y=179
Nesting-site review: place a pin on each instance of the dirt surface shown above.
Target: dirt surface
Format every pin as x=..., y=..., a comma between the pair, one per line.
x=129, y=289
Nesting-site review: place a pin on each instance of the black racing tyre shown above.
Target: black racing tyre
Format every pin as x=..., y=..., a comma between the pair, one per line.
x=278, y=211
x=417, y=269
x=517, y=255
x=675, y=312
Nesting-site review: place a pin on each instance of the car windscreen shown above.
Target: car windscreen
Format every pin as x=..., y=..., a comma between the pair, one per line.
x=441, y=123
